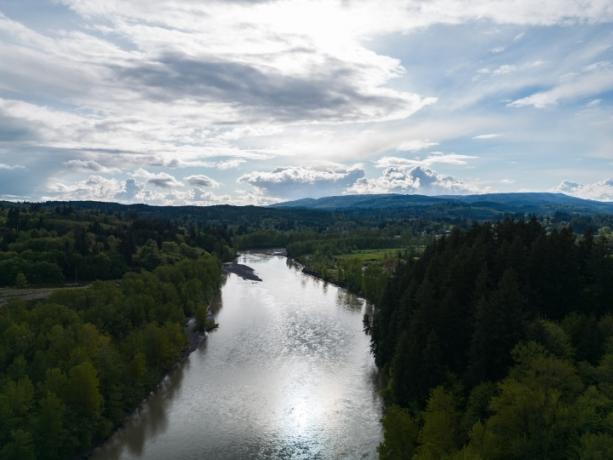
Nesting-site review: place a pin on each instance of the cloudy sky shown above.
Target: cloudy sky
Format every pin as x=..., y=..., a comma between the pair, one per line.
x=237, y=101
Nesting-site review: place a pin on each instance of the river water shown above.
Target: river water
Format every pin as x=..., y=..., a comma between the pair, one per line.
x=288, y=374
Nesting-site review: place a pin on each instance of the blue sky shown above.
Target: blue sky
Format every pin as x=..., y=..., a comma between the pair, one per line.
x=253, y=102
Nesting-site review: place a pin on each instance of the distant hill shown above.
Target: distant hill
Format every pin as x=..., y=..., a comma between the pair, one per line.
x=363, y=209
x=538, y=203
x=363, y=201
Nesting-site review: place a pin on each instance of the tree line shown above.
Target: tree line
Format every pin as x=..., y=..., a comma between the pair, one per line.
x=497, y=343
x=52, y=246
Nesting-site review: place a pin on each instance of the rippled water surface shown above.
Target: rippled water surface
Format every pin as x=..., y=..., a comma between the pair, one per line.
x=288, y=374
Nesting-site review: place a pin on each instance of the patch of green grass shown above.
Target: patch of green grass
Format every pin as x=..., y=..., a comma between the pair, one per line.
x=369, y=255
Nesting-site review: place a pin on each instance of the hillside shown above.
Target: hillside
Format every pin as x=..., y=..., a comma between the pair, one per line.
x=496, y=202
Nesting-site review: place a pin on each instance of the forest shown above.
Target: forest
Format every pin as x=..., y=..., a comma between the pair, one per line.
x=497, y=343
x=54, y=245
x=494, y=340
x=76, y=363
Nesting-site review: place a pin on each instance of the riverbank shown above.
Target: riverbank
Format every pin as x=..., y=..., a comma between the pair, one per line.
x=194, y=336
x=320, y=276
x=288, y=375
x=195, y=339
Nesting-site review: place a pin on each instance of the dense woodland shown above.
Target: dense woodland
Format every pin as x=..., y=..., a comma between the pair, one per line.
x=495, y=340
x=75, y=364
x=497, y=343
x=55, y=245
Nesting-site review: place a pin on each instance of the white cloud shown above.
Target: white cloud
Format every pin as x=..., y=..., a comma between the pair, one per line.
x=89, y=165
x=413, y=180
x=337, y=19
x=166, y=84
x=593, y=103
x=300, y=181
x=221, y=165
x=99, y=188
x=414, y=145
x=201, y=197
x=10, y=167
x=432, y=159
x=96, y=188
x=486, y=136
x=130, y=191
x=200, y=180
x=601, y=191
x=592, y=80
x=161, y=179
x=506, y=69
x=225, y=164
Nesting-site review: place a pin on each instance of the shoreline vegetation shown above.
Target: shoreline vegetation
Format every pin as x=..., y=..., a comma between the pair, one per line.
x=195, y=335
x=544, y=291
x=361, y=272
x=194, y=339
x=76, y=361
x=122, y=354
x=497, y=343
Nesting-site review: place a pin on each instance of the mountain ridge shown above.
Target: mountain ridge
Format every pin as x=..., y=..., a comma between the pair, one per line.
x=516, y=201
x=490, y=206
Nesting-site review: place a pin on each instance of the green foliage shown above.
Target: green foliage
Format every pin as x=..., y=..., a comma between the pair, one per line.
x=497, y=328
x=496, y=342
x=19, y=446
x=532, y=415
x=477, y=406
x=148, y=256
x=48, y=427
x=201, y=317
x=52, y=245
x=400, y=434
x=595, y=446
x=515, y=319
x=362, y=271
x=439, y=435
x=479, y=291
x=83, y=392
x=21, y=282
x=76, y=364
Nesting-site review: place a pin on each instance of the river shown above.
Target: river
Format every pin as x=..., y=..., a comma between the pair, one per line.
x=288, y=374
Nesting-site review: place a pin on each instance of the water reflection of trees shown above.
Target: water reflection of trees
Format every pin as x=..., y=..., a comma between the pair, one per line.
x=293, y=265
x=216, y=304
x=308, y=339
x=348, y=301
x=150, y=420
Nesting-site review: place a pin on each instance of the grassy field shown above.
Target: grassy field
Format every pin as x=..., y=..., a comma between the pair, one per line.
x=30, y=294
x=369, y=255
